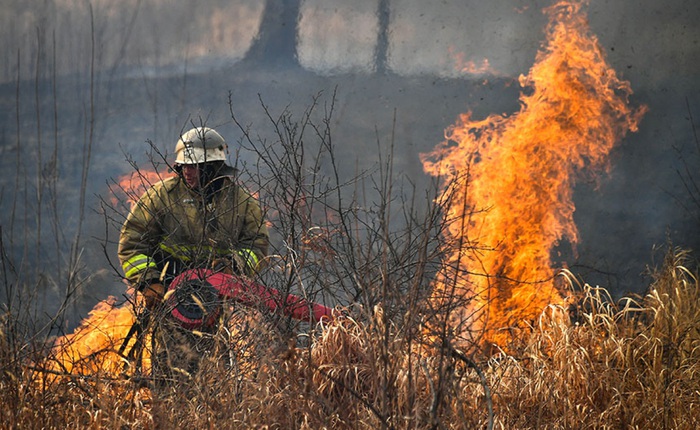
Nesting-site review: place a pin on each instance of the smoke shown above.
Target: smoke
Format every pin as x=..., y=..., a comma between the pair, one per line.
x=109, y=77
x=338, y=37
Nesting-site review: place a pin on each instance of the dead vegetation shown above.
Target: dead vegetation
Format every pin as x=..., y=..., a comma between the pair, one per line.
x=635, y=364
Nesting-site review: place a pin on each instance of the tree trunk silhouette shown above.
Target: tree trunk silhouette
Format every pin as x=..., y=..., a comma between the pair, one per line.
x=276, y=42
x=384, y=14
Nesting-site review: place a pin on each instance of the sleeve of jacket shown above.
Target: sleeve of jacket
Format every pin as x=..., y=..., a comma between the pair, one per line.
x=139, y=238
x=254, y=238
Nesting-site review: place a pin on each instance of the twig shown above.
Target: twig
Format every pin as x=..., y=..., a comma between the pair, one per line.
x=487, y=391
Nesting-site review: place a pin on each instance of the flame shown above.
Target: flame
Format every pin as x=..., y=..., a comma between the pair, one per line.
x=99, y=346
x=508, y=181
x=131, y=186
x=92, y=348
x=462, y=66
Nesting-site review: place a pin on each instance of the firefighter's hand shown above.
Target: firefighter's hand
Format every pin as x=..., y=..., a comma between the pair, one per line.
x=153, y=294
x=223, y=265
x=239, y=265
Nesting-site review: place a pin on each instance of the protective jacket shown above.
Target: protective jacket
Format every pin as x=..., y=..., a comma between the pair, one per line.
x=173, y=227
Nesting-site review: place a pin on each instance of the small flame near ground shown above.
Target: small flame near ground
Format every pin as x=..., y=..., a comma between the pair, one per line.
x=464, y=66
x=92, y=348
x=509, y=181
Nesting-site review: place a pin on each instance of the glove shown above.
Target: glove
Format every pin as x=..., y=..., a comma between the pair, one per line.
x=233, y=264
x=153, y=294
x=222, y=265
x=239, y=265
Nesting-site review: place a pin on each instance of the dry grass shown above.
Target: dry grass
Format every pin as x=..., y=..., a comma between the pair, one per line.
x=634, y=364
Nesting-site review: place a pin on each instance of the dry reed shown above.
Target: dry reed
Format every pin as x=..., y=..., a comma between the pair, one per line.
x=634, y=363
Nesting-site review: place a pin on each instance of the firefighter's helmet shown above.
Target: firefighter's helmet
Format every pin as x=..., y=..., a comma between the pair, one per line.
x=200, y=145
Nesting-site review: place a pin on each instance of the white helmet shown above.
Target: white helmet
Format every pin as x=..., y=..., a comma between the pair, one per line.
x=200, y=145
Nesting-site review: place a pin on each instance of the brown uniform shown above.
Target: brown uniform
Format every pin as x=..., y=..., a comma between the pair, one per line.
x=173, y=228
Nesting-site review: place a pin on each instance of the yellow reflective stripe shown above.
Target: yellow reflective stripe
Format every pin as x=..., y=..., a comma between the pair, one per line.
x=179, y=252
x=183, y=252
x=136, y=264
x=249, y=256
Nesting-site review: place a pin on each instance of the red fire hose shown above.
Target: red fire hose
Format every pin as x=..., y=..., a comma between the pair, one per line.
x=196, y=295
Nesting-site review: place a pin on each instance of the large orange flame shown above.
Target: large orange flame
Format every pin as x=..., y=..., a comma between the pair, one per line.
x=509, y=181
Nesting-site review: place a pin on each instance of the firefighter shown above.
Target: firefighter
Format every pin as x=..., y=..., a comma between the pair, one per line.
x=198, y=218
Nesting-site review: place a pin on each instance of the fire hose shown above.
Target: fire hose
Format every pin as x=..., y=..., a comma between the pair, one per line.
x=195, y=300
